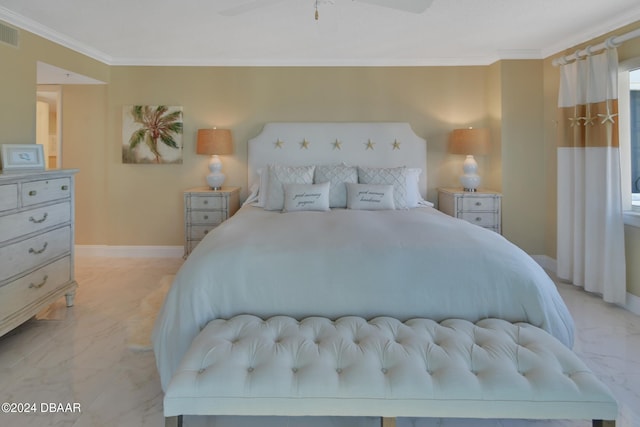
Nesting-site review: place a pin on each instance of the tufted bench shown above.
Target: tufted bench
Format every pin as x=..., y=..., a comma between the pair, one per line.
x=383, y=368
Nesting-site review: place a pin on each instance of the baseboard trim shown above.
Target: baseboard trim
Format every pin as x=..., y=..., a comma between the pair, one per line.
x=129, y=251
x=546, y=262
x=632, y=302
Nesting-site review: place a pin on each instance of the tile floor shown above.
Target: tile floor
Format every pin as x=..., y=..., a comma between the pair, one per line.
x=78, y=355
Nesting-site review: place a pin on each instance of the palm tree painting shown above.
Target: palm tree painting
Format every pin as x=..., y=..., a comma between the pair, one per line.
x=152, y=134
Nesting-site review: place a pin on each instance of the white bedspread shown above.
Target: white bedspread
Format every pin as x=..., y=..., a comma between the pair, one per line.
x=402, y=263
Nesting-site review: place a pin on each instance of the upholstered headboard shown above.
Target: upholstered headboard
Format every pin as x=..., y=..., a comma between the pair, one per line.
x=358, y=144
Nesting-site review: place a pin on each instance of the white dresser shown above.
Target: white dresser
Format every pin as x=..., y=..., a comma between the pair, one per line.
x=482, y=208
x=36, y=243
x=204, y=210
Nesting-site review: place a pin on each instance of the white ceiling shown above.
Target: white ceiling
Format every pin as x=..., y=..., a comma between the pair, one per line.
x=284, y=32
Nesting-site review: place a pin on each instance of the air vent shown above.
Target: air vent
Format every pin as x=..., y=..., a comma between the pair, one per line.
x=8, y=35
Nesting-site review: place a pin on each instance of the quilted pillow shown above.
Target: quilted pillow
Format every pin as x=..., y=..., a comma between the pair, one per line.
x=337, y=175
x=370, y=197
x=306, y=197
x=397, y=177
x=279, y=175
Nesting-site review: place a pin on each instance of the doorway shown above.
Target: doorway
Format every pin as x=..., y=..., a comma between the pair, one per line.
x=48, y=123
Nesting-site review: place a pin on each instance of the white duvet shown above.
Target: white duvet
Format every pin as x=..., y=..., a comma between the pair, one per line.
x=398, y=263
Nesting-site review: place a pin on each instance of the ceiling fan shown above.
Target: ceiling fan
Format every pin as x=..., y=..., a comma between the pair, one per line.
x=413, y=6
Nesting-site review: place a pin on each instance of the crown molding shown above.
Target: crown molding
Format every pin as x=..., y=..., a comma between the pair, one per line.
x=47, y=33
x=633, y=15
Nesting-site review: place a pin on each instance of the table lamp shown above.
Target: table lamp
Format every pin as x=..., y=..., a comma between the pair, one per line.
x=215, y=142
x=469, y=142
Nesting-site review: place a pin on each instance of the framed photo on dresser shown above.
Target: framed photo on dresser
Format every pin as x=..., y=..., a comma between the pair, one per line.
x=21, y=157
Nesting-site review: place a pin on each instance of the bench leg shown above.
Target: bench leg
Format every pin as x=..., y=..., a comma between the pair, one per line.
x=173, y=421
x=389, y=422
x=601, y=423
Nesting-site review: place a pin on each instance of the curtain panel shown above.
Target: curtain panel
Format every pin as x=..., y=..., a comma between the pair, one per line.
x=590, y=222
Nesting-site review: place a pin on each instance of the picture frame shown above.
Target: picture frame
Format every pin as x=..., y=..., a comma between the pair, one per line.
x=21, y=157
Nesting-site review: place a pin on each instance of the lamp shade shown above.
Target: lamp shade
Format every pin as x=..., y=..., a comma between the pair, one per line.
x=214, y=141
x=469, y=141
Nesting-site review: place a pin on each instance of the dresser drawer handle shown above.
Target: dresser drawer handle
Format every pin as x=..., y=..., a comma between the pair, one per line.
x=33, y=192
x=206, y=217
x=38, y=221
x=478, y=203
x=64, y=187
x=478, y=219
x=206, y=202
x=38, y=251
x=39, y=285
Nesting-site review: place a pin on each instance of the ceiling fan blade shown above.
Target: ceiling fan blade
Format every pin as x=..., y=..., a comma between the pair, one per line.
x=248, y=6
x=414, y=6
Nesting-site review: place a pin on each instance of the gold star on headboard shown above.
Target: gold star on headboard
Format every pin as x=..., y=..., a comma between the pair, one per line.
x=396, y=145
x=304, y=144
x=279, y=143
x=369, y=145
x=337, y=145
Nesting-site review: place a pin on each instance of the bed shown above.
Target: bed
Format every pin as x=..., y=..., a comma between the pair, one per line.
x=406, y=261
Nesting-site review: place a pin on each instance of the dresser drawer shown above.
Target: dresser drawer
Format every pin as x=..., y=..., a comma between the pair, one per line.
x=19, y=224
x=30, y=288
x=27, y=254
x=483, y=219
x=471, y=204
x=197, y=232
x=8, y=197
x=45, y=190
x=207, y=202
x=206, y=217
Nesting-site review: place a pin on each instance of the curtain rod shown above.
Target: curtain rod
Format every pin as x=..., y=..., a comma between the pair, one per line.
x=607, y=44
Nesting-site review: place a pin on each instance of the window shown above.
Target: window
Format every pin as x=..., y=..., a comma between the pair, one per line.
x=629, y=133
x=634, y=136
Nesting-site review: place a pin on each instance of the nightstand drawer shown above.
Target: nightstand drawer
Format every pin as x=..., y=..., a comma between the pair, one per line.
x=483, y=219
x=197, y=232
x=45, y=190
x=8, y=197
x=207, y=202
x=472, y=204
x=207, y=217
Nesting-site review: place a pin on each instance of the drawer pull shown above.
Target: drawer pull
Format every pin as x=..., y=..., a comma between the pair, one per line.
x=33, y=192
x=38, y=251
x=38, y=221
x=206, y=217
x=39, y=285
x=64, y=187
x=478, y=219
x=205, y=231
x=478, y=203
x=206, y=202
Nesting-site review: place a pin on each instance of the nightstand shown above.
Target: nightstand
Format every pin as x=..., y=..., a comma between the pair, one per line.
x=204, y=210
x=479, y=207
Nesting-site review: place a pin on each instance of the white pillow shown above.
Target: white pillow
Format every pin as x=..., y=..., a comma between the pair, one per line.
x=306, y=197
x=414, y=199
x=397, y=177
x=279, y=175
x=369, y=196
x=337, y=175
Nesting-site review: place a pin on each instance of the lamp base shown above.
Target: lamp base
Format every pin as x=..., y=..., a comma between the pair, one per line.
x=215, y=177
x=470, y=180
x=470, y=190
